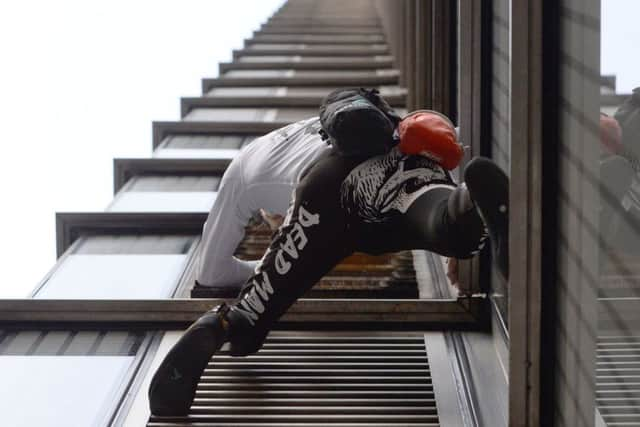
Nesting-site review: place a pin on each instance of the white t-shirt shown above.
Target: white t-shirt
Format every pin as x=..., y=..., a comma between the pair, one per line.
x=262, y=176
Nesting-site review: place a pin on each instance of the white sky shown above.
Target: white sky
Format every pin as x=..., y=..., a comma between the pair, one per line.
x=81, y=82
x=620, y=42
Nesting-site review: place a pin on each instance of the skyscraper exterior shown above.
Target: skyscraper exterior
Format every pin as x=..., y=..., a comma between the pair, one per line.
x=381, y=340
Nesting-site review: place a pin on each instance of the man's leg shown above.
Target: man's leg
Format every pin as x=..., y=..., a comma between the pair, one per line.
x=455, y=221
x=312, y=240
x=444, y=220
x=489, y=189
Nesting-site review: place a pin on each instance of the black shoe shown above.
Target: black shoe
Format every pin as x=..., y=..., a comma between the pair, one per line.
x=489, y=189
x=173, y=386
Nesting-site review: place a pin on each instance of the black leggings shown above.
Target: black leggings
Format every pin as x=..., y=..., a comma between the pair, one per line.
x=318, y=233
x=438, y=221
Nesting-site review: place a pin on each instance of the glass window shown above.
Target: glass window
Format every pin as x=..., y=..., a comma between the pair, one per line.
x=500, y=144
x=247, y=91
x=598, y=232
x=295, y=114
x=196, y=153
x=501, y=85
x=292, y=91
x=60, y=391
x=173, y=183
x=119, y=267
x=258, y=73
x=70, y=343
x=227, y=114
x=302, y=47
x=163, y=201
x=312, y=59
x=266, y=46
x=392, y=90
x=616, y=160
x=116, y=276
x=65, y=377
x=267, y=58
x=171, y=193
x=250, y=114
x=336, y=73
x=134, y=244
x=204, y=141
x=202, y=146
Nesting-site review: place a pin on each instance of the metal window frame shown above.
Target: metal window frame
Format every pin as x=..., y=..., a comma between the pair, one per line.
x=525, y=219
x=367, y=313
x=470, y=116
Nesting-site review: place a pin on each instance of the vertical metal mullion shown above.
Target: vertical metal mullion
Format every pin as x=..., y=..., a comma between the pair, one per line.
x=410, y=52
x=469, y=101
x=441, y=51
x=422, y=55
x=525, y=140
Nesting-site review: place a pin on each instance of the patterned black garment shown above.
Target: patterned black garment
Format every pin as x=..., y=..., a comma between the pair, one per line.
x=385, y=186
x=344, y=204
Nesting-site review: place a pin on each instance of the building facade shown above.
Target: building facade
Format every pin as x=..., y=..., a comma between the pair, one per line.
x=380, y=341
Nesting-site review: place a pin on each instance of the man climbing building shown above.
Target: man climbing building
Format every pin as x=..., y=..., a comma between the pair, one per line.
x=261, y=179
x=403, y=199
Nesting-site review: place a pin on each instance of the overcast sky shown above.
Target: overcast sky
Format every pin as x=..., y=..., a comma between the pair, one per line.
x=81, y=82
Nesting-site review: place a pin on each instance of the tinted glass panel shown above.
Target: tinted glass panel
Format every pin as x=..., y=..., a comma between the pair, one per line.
x=204, y=141
x=196, y=153
x=311, y=59
x=261, y=46
x=303, y=73
x=227, y=114
x=259, y=73
x=292, y=91
x=60, y=391
x=293, y=115
x=303, y=47
x=163, y=201
x=131, y=244
x=114, y=277
x=246, y=91
x=500, y=124
x=174, y=183
x=266, y=58
x=70, y=343
x=250, y=114
x=500, y=120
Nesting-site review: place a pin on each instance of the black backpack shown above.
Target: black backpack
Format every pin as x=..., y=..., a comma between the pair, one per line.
x=358, y=121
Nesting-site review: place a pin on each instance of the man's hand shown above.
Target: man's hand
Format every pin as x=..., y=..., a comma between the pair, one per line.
x=452, y=271
x=273, y=220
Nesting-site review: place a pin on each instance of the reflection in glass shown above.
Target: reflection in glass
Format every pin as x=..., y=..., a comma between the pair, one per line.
x=114, y=277
x=618, y=341
x=163, y=201
x=60, y=390
x=196, y=153
x=249, y=114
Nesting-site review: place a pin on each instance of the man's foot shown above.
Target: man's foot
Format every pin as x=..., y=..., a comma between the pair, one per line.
x=489, y=189
x=173, y=386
